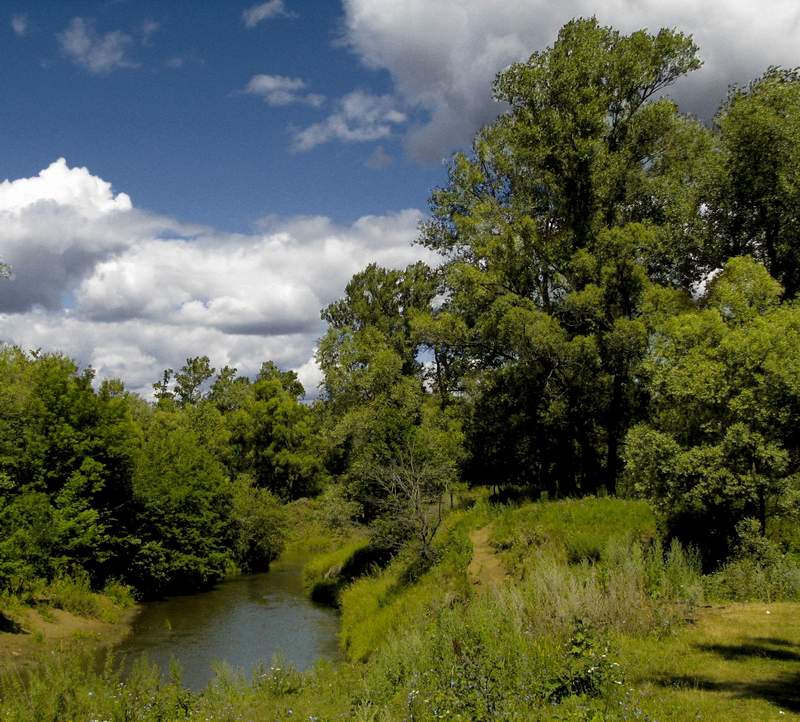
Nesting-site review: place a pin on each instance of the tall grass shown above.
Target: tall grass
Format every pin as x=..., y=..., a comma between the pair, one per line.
x=75, y=595
x=576, y=529
x=72, y=594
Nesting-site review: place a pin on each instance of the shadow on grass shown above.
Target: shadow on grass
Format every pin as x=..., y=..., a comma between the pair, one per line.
x=783, y=689
x=750, y=650
x=776, y=641
x=9, y=625
x=326, y=591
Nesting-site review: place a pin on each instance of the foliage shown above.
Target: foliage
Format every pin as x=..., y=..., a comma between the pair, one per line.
x=95, y=485
x=576, y=530
x=272, y=438
x=553, y=229
x=66, y=463
x=259, y=523
x=758, y=570
x=754, y=207
x=183, y=503
x=721, y=442
x=375, y=397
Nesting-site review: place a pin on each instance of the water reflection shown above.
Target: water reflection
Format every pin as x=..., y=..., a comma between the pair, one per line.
x=246, y=620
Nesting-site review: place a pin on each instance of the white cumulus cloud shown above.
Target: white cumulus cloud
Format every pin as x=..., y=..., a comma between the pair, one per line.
x=264, y=11
x=278, y=90
x=359, y=117
x=132, y=293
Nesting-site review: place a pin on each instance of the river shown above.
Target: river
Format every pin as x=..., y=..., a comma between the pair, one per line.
x=243, y=621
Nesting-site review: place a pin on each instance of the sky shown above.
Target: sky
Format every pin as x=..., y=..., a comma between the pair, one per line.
x=186, y=178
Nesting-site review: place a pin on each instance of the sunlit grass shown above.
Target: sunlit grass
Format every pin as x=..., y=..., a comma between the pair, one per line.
x=735, y=662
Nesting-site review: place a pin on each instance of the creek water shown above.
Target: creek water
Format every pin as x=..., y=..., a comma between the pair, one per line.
x=242, y=622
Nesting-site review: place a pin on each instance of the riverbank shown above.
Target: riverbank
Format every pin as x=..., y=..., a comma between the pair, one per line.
x=41, y=629
x=566, y=610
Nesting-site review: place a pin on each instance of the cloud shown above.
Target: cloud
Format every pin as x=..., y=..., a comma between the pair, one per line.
x=99, y=54
x=278, y=90
x=379, y=159
x=442, y=57
x=54, y=228
x=19, y=24
x=132, y=293
x=359, y=117
x=264, y=11
x=149, y=28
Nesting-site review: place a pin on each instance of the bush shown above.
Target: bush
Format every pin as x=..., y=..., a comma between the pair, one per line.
x=758, y=570
x=260, y=525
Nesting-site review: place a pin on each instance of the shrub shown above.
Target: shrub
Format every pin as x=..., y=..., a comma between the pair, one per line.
x=758, y=570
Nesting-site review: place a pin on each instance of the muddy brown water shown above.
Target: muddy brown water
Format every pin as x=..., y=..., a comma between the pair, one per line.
x=244, y=621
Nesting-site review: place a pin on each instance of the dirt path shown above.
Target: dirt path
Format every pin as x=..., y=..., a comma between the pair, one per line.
x=486, y=570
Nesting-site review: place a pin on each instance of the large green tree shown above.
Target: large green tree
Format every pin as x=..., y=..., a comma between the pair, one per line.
x=375, y=386
x=66, y=461
x=585, y=191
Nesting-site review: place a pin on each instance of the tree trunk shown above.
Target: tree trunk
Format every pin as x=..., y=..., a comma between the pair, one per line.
x=613, y=431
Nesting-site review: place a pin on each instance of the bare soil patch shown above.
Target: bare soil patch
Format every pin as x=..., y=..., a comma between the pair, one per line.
x=486, y=569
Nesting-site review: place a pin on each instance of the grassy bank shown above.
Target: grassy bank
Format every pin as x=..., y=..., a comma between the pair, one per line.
x=592, y=619
x=48, y=617
x=339, y=547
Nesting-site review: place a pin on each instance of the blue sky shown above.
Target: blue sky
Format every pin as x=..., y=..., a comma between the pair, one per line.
x=186, y=140
x=187, y=177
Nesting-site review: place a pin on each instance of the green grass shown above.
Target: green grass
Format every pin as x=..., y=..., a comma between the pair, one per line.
x=326, y=573
x=735, y=662
x=376, y=605
x=577, y=528
x=76, y=596
x=597, y=622
x=72, y=594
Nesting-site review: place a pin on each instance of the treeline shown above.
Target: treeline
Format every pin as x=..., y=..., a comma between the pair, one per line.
x=616, y=308
x=170, y=496
x=615, y=312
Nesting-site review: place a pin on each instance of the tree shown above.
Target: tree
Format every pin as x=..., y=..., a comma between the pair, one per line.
x=273, y=437
x=721, y=444
x=412, y=487
x=66, y=462
x=287, y=379
x=183, y=499
x=386, y=301
x=373, y=385
x=572, y=203
x=190, y=380
x=756, y=205
x=259, y=523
